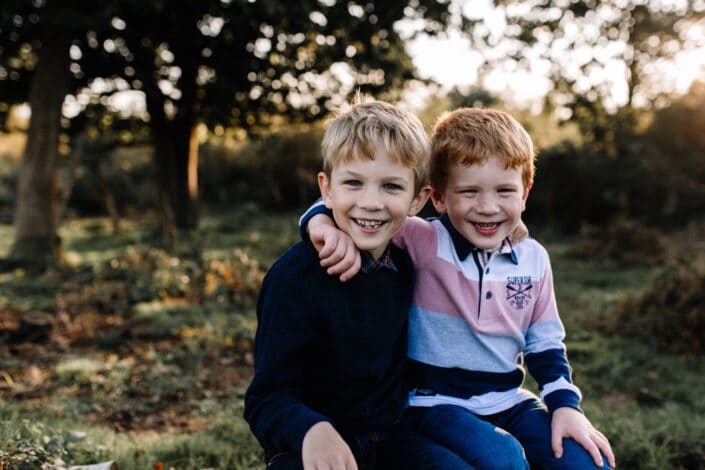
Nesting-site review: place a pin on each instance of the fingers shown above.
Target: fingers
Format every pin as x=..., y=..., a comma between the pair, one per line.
x=557, y=444
x=333, y=252
x=570, y=423
x=597, y=445
x=604, y=445
x=594, y=452
x=338, y=263
x=330, y=248
x=339, y=463
x=340, y=257
x=324, y=449
x=350, y=273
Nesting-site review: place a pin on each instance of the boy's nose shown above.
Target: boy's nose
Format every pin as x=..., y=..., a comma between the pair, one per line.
x=370, y=200
x=487, y=204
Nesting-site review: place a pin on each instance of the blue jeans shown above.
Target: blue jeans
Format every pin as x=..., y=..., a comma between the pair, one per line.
x=500, y=440
x=387, y=451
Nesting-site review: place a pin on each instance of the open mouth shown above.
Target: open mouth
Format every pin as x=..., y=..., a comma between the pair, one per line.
x=486, y=227
x=369, y=224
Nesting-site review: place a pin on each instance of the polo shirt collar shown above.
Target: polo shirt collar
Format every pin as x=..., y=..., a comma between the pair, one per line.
x=463, y=247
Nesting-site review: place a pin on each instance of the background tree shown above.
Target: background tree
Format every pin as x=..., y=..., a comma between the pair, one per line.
x=216, y=62
x=35, y=67
x=251, y=65
x=598, y=55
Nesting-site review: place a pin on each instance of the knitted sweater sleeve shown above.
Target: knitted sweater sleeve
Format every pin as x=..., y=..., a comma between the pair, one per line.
x=273, y=407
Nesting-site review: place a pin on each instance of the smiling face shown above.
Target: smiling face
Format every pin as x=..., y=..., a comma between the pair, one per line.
x=484, y=201
x=371, y=199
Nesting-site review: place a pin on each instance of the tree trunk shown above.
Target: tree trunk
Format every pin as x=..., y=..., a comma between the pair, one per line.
x=176, y=154
x=176, y=159
x=36, y=242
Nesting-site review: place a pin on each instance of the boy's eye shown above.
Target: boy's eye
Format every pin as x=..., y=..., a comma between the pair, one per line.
x=393, y=187
x=354, y=183
x=468, y=191
x=507, y=190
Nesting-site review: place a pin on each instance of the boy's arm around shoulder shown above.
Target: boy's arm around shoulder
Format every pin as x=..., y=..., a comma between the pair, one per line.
x=335, y=248
x=339, y=254
x=273, y=406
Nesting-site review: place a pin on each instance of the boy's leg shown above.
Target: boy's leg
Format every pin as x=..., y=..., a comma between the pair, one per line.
x=481, y=444
x=412, y=451
x=530, y=423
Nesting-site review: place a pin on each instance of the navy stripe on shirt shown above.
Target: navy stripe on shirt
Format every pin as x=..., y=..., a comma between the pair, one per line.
x=460, y=383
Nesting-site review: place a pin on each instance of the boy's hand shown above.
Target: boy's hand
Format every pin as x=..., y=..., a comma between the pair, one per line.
x=519, y=233
x=569, y=422
x=323, y=448
x=336, y=249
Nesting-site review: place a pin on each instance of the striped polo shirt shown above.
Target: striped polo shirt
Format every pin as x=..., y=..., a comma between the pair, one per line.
x=478, y=318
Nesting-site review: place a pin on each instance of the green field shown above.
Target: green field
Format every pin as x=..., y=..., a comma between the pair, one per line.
x=148, y=352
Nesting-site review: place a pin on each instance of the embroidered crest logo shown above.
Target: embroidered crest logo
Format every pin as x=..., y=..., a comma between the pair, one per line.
x=519, y=289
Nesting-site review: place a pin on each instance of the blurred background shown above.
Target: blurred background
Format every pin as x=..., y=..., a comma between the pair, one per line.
x=155, y=157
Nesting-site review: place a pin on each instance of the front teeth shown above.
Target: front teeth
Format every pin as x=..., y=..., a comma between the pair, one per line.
x=487, y=226
x=369, y=223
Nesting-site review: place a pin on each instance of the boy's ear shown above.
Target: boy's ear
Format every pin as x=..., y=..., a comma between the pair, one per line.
x=438, y=201
x=324, y=187
x=525, y=196
x=419, y=201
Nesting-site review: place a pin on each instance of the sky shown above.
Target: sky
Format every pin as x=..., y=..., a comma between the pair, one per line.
x=451, y=61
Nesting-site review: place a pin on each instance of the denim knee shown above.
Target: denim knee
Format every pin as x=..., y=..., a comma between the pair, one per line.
x=575, y=457
x=506, y=454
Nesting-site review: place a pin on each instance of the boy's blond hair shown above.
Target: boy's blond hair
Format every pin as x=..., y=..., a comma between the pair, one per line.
x=357, y=132
x=468, y=136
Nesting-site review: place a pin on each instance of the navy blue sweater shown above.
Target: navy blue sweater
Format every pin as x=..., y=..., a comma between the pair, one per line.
x=328, y=351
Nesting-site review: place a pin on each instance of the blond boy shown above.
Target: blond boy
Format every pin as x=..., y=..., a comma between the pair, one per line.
x=327, y=391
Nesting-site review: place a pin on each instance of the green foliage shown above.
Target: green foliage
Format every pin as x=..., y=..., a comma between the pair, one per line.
x=153, y=273
x=227, y=445
x=576, y=186
x=648, y=439
x=29, y=445
x=587, y=288
x=161, y=380
x=169, y=339
x=673, y=148
x=278, y=172
x=623, y=242
x=122, y=176
x=645, y=174
x=671, y=311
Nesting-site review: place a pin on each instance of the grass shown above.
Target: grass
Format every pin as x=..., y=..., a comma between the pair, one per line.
x=150, y=353
x=648, y=402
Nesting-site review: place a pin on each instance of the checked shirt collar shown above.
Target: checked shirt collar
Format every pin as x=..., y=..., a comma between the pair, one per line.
x=384, y=262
